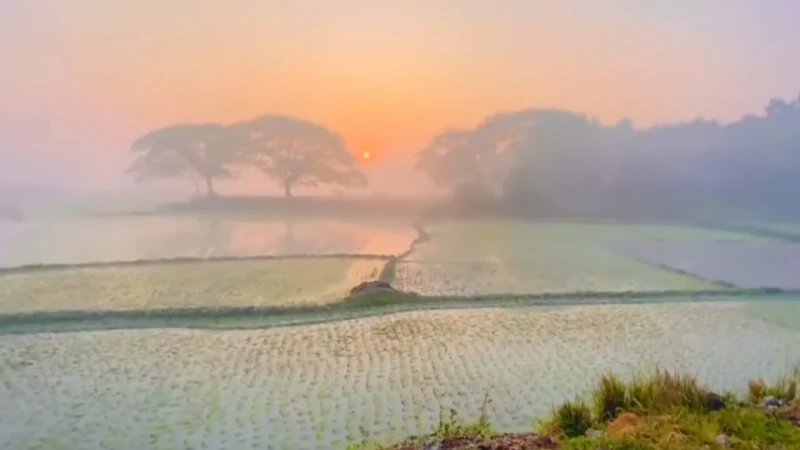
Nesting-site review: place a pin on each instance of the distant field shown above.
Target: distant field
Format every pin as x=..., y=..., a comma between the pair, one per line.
x=292, y=282
x=791, y=228
x=493, y=257
x=323, y=386
x=81, y=240
x=742, y=264
x=463, y=259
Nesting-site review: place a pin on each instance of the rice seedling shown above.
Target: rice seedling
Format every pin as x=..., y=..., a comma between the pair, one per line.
x=272, y=380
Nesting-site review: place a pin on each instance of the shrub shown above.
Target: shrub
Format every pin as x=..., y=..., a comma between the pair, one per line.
x=572, y=419
x=663, y=391
x=473, y=198
x=609, y=398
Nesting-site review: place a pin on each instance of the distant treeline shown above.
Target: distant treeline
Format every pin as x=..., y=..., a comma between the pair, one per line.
x=557, y=163
x=531, y=163
x=292, y=152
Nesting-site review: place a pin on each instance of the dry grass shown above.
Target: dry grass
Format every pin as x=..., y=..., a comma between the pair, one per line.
x=784, y=388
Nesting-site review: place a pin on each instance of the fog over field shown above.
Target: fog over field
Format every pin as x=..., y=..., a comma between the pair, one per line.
x=297, y=225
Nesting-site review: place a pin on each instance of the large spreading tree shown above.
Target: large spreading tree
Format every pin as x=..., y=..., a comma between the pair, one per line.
x=202, y=151
x=296, y=152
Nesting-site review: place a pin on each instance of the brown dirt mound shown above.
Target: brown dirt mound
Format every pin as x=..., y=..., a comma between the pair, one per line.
x=371, y=287
x=524, y=441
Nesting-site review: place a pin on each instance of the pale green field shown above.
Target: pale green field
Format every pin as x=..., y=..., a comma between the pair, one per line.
x=323, y=386
x=463, y=259
x=494, y=257
x=285, y=282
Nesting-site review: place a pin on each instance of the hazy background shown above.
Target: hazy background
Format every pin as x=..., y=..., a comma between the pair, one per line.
x=81, y=79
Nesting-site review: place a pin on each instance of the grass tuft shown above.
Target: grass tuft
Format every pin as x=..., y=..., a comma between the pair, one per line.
x=659, y=410
x=610, y=398
x=785, y=388
x=663, y=391
x=571, y=419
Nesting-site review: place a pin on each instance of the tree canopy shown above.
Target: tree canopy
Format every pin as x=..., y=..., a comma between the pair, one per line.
x=553, y=160
x=292, y=152
x=296, y=152
x=207, y=151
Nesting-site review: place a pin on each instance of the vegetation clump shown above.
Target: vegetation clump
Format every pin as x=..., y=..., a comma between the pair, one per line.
x=659, y=410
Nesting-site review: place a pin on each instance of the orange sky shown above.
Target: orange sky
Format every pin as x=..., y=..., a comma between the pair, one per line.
x=85, y=77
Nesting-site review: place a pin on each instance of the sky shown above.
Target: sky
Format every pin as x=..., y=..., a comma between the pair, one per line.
x=81, y=79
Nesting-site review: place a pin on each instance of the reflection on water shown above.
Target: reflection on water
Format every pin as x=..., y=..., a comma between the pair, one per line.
x=125, y=239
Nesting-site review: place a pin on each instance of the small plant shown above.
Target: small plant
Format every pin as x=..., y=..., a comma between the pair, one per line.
x=449, y=427
x=785, y=387
x=573, y=419
x=483, y=427
x=756, y=389
x=609, y=398
x=453, y=427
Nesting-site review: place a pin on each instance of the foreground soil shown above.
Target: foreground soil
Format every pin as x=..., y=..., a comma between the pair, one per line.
x=524, y=441
x=632, y=432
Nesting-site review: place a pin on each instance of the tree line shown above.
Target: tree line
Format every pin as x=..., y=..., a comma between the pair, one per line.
x=527, y=162
x=291, y=151
x=554, y=162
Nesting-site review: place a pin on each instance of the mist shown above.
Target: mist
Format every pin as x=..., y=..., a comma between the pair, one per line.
x=321, y=224
x=81, y=84
x=557, y=163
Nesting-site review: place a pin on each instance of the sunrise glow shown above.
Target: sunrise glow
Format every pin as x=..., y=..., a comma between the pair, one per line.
x=387, y=76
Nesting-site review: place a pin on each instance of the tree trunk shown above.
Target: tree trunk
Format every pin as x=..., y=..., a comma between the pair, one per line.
x=210, y=187
x=287, y=189
x=196, y=187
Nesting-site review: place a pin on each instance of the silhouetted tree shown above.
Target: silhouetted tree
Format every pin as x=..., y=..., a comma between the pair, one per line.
x=571, y=163
x=483, y=155
x=473, y=197
x=444, y=160
x=207, y=151
x=296, y=152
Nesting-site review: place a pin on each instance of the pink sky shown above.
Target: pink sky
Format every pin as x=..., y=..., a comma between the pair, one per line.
x=82, y=78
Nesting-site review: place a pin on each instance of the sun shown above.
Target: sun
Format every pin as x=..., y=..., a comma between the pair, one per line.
x=366, y=155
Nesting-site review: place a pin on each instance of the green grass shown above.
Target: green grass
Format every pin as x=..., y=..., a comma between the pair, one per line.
x=660, y=410
x=371, y=305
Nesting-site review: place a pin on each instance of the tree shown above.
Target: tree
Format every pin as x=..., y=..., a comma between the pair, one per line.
x=296, y=152
x=563, y=162
x=205, y=151
x=472, y=197
x=484, y=154
x=444, y=161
